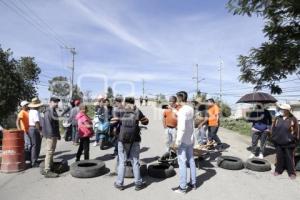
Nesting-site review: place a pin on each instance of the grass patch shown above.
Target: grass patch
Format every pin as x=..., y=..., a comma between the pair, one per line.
x=238, y=125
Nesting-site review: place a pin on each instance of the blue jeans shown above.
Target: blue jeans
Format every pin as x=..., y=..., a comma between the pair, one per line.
x=201, y=135
x=75, y=136
x=100, y=136
x=170, y=137
x=184, y=155
x=134, y=154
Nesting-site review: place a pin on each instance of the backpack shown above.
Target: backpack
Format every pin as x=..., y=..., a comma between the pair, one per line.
x=129, y=128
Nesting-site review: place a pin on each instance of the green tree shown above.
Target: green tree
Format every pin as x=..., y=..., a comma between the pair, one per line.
x=59, y=86
x=17, y=82
x=77, y=93
x=225, y=109
x=278, y=57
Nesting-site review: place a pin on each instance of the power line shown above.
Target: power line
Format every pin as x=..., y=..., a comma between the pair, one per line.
x=29, y=20
x=39, y=19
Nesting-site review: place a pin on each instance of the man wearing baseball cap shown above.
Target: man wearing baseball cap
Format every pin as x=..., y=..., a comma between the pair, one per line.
x=285, y=136
x=23, y=124
x=51, y=133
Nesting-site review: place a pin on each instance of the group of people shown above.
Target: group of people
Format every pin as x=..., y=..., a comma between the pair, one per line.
x=142, y=99
x=37, y=125
x=283, y=131
x=182, y=122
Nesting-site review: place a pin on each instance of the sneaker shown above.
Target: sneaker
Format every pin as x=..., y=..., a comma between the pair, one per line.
x=275, y=174
x=95, y=144
x=251, y=156
x=261, y=156
x=292, y=177
x=179, y=190
x=119, y=187
x=50, y=174
x=140, y=186
x=35, y=165
x=192, y=186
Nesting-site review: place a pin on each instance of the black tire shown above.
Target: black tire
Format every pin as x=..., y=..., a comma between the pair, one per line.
x=129, y=170
x=230, y=163
x=60, y=166
x=88, y=168
x=169, y=158
x=161, y=170
x=259, y=165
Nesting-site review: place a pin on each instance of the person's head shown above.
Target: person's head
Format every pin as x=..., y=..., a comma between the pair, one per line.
x=35, y=104
x=83, y=108
x=202, y=107
x=118, y=101
x=182, y=96
x=129, y=102
x=101, y=102
x=210, y=102
x=172, y=101
x=77, y=102
x=259, y=106
x=72, y=103
x=24, y=105
x=54, y=102
x=285, y=110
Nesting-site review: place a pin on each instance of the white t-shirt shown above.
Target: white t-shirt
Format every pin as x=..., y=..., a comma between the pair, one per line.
x=185, y=125
x=34, y=116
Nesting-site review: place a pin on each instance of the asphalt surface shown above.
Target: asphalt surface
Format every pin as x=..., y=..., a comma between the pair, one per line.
x=213, y=182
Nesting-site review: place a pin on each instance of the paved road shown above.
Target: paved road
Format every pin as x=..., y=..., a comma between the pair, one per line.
x=214, y=182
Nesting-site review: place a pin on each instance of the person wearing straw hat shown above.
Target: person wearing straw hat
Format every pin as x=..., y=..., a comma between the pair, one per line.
x=35, y=130
x=285, y=136
x=23, y=124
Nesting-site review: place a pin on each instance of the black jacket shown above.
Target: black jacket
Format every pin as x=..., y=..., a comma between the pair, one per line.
x=50, y=125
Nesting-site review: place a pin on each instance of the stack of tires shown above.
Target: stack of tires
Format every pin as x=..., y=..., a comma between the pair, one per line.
x=234, y=163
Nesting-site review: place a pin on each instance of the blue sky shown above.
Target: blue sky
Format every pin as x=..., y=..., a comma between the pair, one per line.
x=121, y=42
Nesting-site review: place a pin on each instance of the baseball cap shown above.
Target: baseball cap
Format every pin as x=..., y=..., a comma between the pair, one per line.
x=24, y=103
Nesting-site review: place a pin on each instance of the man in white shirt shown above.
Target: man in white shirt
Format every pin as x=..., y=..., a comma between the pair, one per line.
x=35, y=130
x=185, y=143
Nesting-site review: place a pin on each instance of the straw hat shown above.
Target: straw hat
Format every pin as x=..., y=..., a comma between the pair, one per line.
x=35, y=103
x=285, y=107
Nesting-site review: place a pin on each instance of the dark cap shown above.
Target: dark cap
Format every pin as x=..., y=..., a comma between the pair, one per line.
x=129, y=100
x=54, y=99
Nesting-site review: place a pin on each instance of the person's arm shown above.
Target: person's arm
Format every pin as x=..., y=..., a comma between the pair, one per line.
x=180, y=128
x=203, y=122
x=164, y=119
x=144, y=120
x=18, y=123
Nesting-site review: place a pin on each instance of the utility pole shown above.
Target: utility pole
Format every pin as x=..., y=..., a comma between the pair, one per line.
x=73, y=52
x=143, y=88
x=220, y=70
x=197, y=80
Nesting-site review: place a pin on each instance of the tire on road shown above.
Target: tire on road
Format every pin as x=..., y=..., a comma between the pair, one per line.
x=161, y=170
x=129, y=169
x=60, y=166
x=259, y=165
x=88, y=169
x=230, y=163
